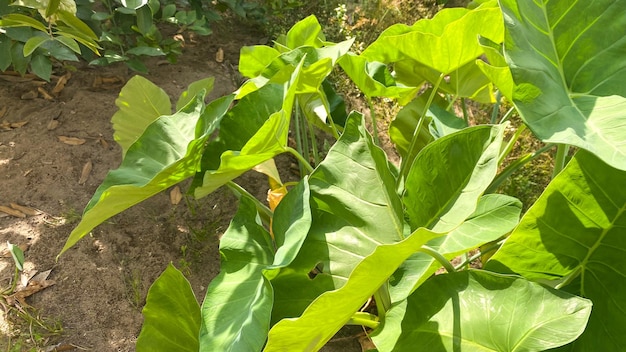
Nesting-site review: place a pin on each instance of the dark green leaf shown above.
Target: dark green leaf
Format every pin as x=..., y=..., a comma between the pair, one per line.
x=41, y=66
x=144, y=19
x=145, y=50
x=20, y=63
x=5, y=52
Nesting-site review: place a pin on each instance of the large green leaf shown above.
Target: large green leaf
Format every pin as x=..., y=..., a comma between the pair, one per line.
x=482, y=311
x=269, y=140
x=448, y=176
x=168, y=152
x=355, y=209
x=566, y=61
x=333, y=309
x=193, y=89
x=495, y=216
x=444, y=43
x=171, y=315
x=238, y=303
x=140, y=102
x=577, y=231
x=248, y=262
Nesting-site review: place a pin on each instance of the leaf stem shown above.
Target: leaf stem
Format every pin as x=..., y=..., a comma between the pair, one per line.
x=440, y=258
x=511, y=143
x=559, y=162
x=374, y=121
x=496, y=107
x=365, y=319
x=264, y=212
x=468, y=260
x=383, y=299
x=405, y=163
x=300, y=158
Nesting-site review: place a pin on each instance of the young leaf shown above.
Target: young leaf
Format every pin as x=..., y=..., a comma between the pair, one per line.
x=171, y=315
x=193, y=89
x=140, y=103
x=306, y=32
x=168, y=152
x=569, y=80
x=575, y=230
x=17, y=254
x=481, y=311
x=33, y=43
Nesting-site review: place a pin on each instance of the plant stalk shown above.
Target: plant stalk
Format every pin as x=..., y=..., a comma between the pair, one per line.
x=514, y=166
x=364, y=319
x=440, y=258
x=559, y=162
x=374, y=121
x=264, y=212
x=383, y=299
x=301, y=159
x=496, y=107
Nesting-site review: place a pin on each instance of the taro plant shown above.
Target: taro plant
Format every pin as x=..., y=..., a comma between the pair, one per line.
x=358, y=227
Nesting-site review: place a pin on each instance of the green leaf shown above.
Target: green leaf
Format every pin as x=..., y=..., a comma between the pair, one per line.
x=266, y=141
x=51, y=9
x=145, y=50
x=59, y=51
x=254, y=59
x=355, y=209
x=482, y=311
x=171, y=315
x=449, y=175
x=333, y=309
x=41, y=66
x=68, y=42
x=444, y=43
x=568, y=75
x=33, y=43
x=168, y=11
x=193, y=89
x=19, y=20
x=5, y=52
x=359, y=69
x=168, y=152
x=248, y=262
x=82, y=29
x=20, y=62
x=17, y=254
x=140, y=103
x=144, y=19
x=306, y=32
x=575, y=233
x=136, y=65
x=238, y=303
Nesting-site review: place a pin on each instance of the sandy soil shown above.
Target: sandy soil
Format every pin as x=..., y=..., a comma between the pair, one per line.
x=100, y=284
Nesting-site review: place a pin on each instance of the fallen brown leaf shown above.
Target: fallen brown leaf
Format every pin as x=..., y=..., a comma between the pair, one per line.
x=53, y=124
x=32, y=288
x=26, y=210
x=84, y=175
x=72, y=140
x=18, y=124
x=12, y=212
x=103, y=143
x=3, y=111
x=58, y=88
x=176, y=195
x=45, y=94
x=29, y=95
x=219, y=55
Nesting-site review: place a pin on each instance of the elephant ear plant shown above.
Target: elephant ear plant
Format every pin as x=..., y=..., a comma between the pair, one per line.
x=357, y=227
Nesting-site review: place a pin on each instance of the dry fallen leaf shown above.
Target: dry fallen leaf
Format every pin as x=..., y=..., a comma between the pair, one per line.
x=53, y=124
x=72, y=140
x=12, y=212
x=61, y=84
x=45, y=94
x=3, y=111
x=18, y=124
x=85, y=173
x=176, y=195
x=26, y=210
x=32, y=288
x=103, y=143
x=219, y=56
x=29, y=95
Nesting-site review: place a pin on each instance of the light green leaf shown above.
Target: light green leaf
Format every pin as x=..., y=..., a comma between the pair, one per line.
x=482, y=311
x=575, y=232
x=19, y=20
x=444, y=43
x=33, y=43
x=68, y=42
x=373, y=80
x=333, y=309
x=254, y=59
x=355, y=209
x=193, y=89
x=238, y=303
x=82, y=29
x=567, y=67
x=17, y=254
x=133, y=4
x=171, y=315
x=449, y=175
x=306, y=32
x=145, y=50
x=265, y=142
x=140, y=103
x=248, y=262
x=168, y=152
